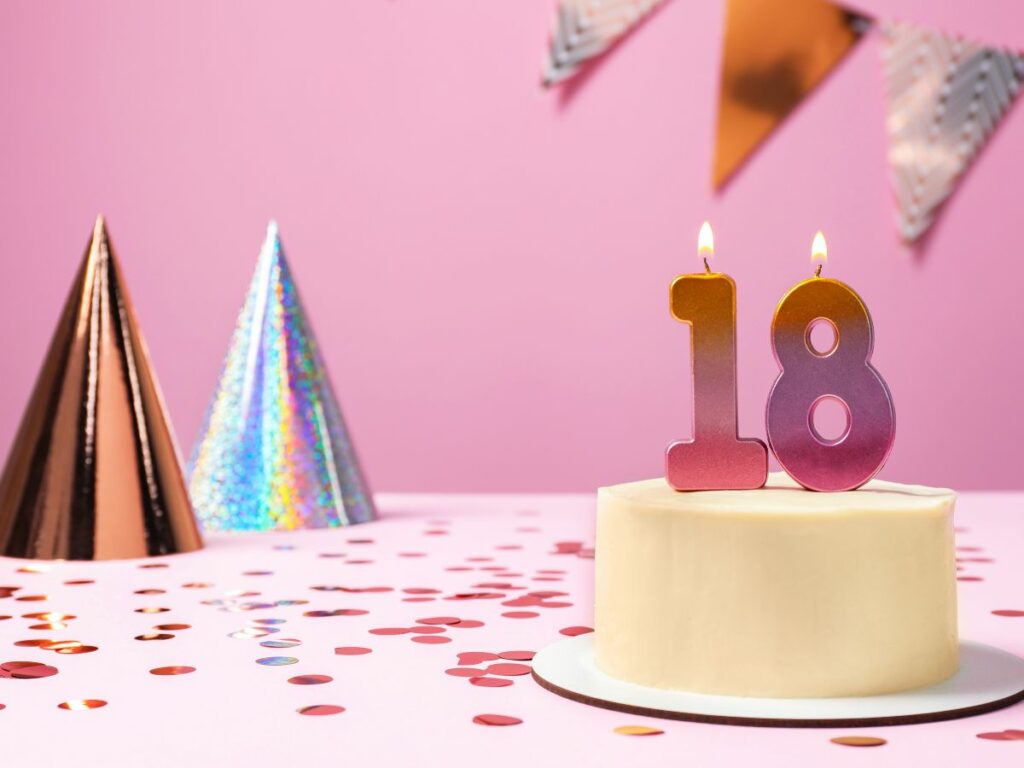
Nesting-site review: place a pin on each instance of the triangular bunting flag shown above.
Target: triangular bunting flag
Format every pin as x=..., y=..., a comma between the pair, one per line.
x=274, y=452
x=774, y=54
x=946, y=96
x=93, y=473
x=587, y=28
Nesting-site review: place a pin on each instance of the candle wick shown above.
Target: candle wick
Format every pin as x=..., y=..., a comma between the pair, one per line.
x=817, y=272
x=707, y=267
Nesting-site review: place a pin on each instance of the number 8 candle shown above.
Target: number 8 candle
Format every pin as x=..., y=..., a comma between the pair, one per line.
x=716, y=457
x=842, y=373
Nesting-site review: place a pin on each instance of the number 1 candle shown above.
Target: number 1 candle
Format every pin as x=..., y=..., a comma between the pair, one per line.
x=716, y=457
x=842, y=373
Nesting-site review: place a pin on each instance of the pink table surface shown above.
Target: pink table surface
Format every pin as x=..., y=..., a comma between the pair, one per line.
x=400, y=706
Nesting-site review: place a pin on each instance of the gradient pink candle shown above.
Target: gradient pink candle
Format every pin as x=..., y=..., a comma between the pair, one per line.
x=716, y=457
x=841, y=373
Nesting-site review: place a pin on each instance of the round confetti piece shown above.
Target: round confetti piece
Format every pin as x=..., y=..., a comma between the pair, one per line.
x=508, y=669
x=154, y=636
x=177, y=670
x=1007, y=735
x=421, y=591
x=277, y=661
x=467, y=624
x=389, y=631
x=496, y=720
x=321, y=709
x=439, y=620
x=431, y=639
x=427, y=630
x=172, y=627
x=4, y=618
x=520, y=614
x=517, y=655
x=469, y=658
x=858, y=741
x=150, y=591
x=418, y=599
x=26, y=670
x=197, y=585
x=155, y=565
x=284, y=642
x=49, y=626
x=638, y=730
x=77, y=649
x=574, y=631
x=490, y=682
x=152, y=609
x=32, y=598
x=465, y=672
x=32, y=643
x=78, y=582
x=77, y=705
x=49, y=616
x=1008, y=612
x=351, y=650
x=310, y=679
x=270, y=622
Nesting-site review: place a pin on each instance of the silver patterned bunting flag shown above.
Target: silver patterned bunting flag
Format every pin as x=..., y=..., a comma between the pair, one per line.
x=587, y=28
x=946, y=96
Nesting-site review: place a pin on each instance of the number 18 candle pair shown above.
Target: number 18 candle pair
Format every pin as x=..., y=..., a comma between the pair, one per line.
x=716, y=457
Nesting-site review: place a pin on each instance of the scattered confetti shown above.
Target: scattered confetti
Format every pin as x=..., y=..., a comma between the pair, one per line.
x=76, y=705
x=284, y=642
x=490, y=682
x=26, y=670
x=1008, y=612
x=431, y=639
x=574, y=631
x=520, y=614
x=1007, y=735
x=310, y=679
x=496, y=720
x=172, y=670
x=351, y=650
x=638, y=730
x=858, y=741
x=172, y=627
x=508, y=669
x=321, y=709
x=277, y=661
x=517, y=655
x=154, y=636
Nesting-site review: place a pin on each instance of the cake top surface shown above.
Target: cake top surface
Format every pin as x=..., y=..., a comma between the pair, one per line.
x=782, y=494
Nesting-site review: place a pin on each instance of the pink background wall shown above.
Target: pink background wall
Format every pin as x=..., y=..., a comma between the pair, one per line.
x=487, y=263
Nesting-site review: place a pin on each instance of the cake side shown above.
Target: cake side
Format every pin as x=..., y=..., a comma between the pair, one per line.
x=776, y=592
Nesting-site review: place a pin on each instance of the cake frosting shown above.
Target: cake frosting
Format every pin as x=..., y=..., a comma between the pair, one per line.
x=777, y=592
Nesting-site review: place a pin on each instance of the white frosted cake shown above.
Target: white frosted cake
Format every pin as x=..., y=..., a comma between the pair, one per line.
x=777, y=592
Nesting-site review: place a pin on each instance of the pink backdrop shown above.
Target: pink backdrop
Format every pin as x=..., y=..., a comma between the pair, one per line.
x=487, y=263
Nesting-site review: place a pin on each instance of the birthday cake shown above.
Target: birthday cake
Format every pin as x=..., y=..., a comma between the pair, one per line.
x=776, y=592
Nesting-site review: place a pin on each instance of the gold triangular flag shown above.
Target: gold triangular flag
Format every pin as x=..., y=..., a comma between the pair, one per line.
x=93, y=473
x=774, y=54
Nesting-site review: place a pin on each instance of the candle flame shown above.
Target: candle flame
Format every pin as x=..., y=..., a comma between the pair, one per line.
x=706, y=241
x=819, y=250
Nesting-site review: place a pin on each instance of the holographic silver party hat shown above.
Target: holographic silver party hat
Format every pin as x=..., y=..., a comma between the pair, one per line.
x=274, y=452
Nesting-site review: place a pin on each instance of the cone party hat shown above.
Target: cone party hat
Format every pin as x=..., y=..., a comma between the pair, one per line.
x=274, y=452
x=93, y=473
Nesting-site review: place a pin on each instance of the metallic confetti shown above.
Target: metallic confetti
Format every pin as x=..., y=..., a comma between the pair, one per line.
x=321, y=709
x=76, y=705
x=496, y=720
x=76, y=649
x=286, y=642
x=310, y=679
x=858, y=741
x=172, y=627
x=154, y=636
x=638, y=730
x=95, y=482
x=275, y=452
x=277, y=661
x=172, y=670
x=946, y=96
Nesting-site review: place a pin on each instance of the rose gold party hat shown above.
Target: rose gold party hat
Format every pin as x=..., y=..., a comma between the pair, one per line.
x=93, y=473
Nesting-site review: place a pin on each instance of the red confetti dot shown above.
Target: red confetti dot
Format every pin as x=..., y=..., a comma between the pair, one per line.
x=490, y=682
x=351, y=650
x=389, y=631
x=574, y=631
x=310, y=679
x=418, y=599
x=1007, y=735
x=431, y=639
x=469, y=658
x=321, y=709
x=439, y=620
x=465, y=672
x=412, y=554
x=520, y=614
x=429, y=630
x=517, y=655
x=421, y=591
x=969, y=578
x=496, y=720
x=508, y=670
x=1008, y=612
x=467, y=624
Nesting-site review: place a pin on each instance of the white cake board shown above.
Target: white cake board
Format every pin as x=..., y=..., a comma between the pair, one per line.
x=988, y=679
